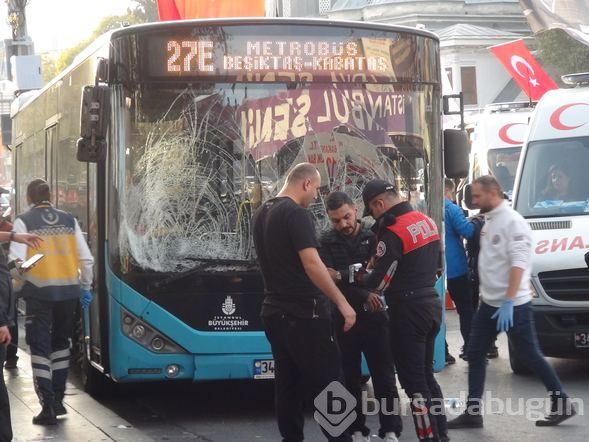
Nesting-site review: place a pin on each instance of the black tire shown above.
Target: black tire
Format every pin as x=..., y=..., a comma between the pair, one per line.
x=95, y=383
x=517, y=365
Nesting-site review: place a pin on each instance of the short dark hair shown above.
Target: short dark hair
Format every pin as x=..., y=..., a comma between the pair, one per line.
x=38, y=191
x=449, y=185
x=337, y=199
x=300, y=172
x=488, y=183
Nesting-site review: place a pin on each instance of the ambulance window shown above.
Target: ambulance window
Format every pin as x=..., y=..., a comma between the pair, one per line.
x=476, y=167
x=554, y=180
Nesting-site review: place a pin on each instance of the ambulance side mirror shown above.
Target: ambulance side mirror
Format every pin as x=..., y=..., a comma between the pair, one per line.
x=456, y=150
x=587, y=259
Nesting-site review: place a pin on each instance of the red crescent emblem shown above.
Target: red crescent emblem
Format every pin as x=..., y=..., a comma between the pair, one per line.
x=503, y=134
x=555, y=117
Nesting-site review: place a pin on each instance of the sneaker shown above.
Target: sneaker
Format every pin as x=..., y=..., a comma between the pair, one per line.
x=466, y=420
x=558, y=414
x=493, y=352
x=450, y=359
x=59, y=408
x=46, y=417
x=359, y=437
x=390, y=437
x=10, y=363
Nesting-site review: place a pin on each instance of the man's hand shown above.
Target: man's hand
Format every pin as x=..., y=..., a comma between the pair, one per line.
x=374, y=303
x=30, y=239
x=5, y=337
x=349, y=315
x=85, y=298
x=504, y=316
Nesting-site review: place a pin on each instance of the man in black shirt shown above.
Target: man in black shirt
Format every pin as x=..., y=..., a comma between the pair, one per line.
x=404, y=270
x=349, y=243
x=295, y=311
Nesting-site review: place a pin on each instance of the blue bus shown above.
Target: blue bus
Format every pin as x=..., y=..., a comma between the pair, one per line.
x=162, y=139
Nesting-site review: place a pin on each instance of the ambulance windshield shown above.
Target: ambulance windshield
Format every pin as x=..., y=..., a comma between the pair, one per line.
x=554, y=179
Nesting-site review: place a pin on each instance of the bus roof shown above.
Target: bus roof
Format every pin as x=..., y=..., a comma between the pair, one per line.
x=258, y=21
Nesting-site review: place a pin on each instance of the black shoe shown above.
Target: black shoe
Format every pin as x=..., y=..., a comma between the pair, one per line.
x=466, y=420
x=493, y=352
x=558, y=414
x=46, y=417
x=60, y=410
x=450, y=359
x=10, y=363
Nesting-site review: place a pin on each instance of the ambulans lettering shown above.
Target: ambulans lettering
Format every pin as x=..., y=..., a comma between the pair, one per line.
x=560, y=245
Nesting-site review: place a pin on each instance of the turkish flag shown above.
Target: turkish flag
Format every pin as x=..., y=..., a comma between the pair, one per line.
x=524, y=68
x=186, y=9
x=167, y=10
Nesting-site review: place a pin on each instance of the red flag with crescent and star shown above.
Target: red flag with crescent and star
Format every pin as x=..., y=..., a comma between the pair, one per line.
x=187, y=9
x=524, y=68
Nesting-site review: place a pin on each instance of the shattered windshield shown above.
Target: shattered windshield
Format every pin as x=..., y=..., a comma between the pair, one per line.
x=199, y=159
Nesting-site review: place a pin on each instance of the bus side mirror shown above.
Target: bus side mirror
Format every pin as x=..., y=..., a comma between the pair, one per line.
x=468, y=197
x=456, y=149
x=94, y=117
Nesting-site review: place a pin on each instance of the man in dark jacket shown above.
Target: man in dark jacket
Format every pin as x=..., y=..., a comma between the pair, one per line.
x=404, y=270
x=7, y=318
x=349, y=243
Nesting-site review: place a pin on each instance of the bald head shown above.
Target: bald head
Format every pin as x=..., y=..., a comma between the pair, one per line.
x=302, y=184
x=302, y=172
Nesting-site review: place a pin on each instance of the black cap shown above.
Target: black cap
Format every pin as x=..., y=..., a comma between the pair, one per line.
x=372, y=189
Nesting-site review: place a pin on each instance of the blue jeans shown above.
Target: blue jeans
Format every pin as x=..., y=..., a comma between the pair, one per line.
x=524, y=341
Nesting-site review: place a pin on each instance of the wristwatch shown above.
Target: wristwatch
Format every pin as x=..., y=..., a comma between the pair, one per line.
x=12, y=234
x=338, y=276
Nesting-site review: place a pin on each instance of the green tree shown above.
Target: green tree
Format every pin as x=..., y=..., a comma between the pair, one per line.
x=142, y=11
x=562, y=54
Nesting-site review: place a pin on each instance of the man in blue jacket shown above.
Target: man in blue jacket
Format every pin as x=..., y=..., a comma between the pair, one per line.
x=459, y=286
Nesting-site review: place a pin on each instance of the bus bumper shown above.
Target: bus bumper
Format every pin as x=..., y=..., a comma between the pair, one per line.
x=558, y=328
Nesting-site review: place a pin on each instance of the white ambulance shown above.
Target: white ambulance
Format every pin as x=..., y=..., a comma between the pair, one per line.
x=497, y=140
x=552, y=193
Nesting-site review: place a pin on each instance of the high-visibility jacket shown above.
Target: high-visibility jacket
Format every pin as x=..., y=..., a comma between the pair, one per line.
x=67, y=260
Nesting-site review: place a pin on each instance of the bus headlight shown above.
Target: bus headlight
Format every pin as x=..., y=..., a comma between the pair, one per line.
x=147, y=336
x=138, y=331
x=172, y=370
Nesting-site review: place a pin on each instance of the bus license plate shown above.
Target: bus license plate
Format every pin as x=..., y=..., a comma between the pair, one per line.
x=581, y=340
x=264, y=369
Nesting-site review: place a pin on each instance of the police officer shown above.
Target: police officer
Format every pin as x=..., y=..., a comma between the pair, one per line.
x=295, y=312
x=51, y=291
x=404, y=269
x=346, y=244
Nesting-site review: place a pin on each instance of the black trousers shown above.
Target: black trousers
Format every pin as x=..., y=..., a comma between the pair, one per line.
x=306, y=360
x=49, y=326
x=461, y=292
x=370, y=335
x=415, y=322
x=5, y=423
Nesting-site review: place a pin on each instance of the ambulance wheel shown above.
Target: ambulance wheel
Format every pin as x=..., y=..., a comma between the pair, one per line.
x=517, y=365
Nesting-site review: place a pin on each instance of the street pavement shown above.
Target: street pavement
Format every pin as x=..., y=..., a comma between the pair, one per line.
x=243, y=411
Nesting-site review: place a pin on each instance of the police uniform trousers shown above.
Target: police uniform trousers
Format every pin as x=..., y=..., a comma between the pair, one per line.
x=49, y=326
x=415, y=322
x=370, y=335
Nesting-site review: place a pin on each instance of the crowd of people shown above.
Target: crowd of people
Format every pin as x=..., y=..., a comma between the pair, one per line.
x=50, y=259
x=370, y=291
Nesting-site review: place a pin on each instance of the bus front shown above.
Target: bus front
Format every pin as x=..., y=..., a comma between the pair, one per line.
x=207, y=120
